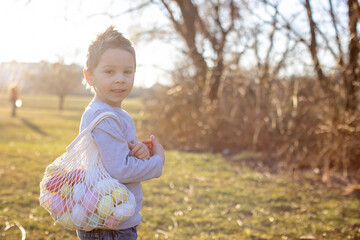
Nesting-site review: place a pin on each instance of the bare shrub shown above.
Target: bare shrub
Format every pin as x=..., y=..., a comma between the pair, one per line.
x=314, y=133
x=298, y=128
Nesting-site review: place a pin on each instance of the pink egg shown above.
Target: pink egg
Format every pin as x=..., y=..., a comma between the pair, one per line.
x=111, y=222
x=70, y=203
x=57, y=205
x=90, y=201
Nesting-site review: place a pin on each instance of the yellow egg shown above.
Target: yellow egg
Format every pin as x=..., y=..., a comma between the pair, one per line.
x=66, y=190
x=105, y=206
x=52, y=170
x=119, y=195
x=67, y=222
x=45, y=200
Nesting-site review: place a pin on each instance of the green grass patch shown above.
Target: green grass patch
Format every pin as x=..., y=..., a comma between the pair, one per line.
x=199, y=196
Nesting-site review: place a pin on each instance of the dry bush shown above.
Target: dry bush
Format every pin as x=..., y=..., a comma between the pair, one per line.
x=299, y=127
x=188, y=121
x=314, y=131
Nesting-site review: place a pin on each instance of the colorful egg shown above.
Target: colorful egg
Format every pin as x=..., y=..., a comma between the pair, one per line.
x=75, y=176
x=94, y=220
x=57, y=205
x=92, y=176
x=106, y=206
x=111, y=222
x=67, y=222
x=53, y=170
x=79, y=191
x=70, y=203
x=66, y=190
x=46, y=199
x=90, y=201
x=123, y=211
x=78, y=215
x=105, y=186
x=54, y=184
x=119, y=195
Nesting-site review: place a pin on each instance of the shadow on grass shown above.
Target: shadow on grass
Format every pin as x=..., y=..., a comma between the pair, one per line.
x=33, y=126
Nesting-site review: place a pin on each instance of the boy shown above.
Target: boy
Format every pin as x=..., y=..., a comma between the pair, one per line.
x=109, y=71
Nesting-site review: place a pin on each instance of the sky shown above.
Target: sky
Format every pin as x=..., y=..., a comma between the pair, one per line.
x=49, y=30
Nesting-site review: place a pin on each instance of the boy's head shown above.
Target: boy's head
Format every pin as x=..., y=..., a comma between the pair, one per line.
x=111, y=38
x=110, y=67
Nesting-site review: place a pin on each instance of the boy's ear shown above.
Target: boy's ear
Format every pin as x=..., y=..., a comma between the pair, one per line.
x=88, y=77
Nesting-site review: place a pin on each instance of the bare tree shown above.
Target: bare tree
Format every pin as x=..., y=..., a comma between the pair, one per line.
x=353, y=79
x=197, y=28
x=346, y=64
x=350, y=71
x=59, y=79
x=269, y=62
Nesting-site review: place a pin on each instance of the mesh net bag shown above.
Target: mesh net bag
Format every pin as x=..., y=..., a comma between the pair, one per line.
x=79, y=193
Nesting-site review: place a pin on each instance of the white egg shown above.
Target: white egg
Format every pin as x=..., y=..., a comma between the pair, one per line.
x=92, y=176
x=79, y=191
x=105, y=186
x=123, y=211
x=78, y=215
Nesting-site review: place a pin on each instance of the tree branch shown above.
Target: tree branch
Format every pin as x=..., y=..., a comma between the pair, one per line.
x=313, y=46
x=137, y=8
x=337, y=36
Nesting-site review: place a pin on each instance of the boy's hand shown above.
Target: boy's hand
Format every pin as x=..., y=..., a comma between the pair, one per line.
x=148, y=143
x=157, y=148
x=139, y=150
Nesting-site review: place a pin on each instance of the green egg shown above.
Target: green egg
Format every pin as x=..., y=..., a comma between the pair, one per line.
x=94, y=220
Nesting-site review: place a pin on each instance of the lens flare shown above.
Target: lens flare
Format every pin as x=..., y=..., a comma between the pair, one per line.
x=18, y=103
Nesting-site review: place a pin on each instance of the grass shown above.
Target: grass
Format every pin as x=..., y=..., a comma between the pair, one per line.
x=199, y=196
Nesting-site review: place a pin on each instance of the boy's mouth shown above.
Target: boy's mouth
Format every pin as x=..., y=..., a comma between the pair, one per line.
x=118, y=90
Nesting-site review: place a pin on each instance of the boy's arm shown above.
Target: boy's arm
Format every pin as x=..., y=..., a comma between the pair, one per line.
x=117, y=159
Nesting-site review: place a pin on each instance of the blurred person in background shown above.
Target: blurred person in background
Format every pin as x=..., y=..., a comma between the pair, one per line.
x=13, y=98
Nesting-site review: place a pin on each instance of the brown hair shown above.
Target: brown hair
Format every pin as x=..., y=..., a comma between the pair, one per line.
x=111, y=38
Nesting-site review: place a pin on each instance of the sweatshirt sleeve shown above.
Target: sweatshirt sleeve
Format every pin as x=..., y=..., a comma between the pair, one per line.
x=117, y=158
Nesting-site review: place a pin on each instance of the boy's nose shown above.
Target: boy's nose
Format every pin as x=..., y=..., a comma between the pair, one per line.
x=120, y=78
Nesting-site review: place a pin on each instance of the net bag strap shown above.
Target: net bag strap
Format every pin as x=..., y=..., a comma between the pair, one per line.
x=98, y=119
x=92, y=126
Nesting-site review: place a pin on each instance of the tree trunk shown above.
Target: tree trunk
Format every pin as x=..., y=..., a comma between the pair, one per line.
x=217, y=74
x=188, y=31
x=61, y=102
x=353, y=68
x=313, y=48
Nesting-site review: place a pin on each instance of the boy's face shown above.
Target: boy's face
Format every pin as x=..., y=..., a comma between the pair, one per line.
x=113, y=77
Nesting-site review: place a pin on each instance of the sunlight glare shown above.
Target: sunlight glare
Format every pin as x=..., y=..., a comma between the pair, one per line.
x=18, y=103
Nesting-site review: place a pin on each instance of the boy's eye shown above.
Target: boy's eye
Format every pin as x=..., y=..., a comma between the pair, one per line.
x=129, y=72
x=109, y=71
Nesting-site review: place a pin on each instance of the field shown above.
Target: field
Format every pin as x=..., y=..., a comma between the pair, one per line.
x=199, y=196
